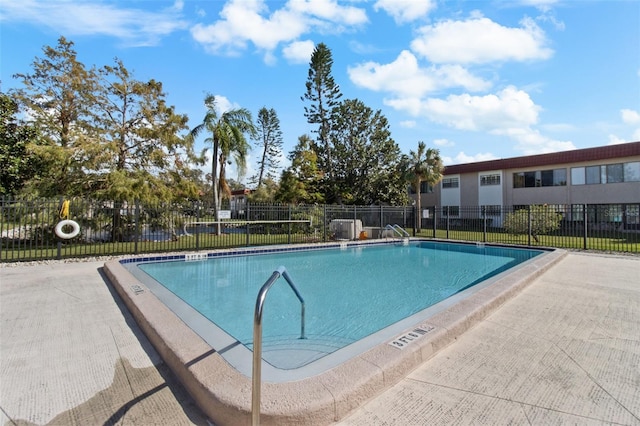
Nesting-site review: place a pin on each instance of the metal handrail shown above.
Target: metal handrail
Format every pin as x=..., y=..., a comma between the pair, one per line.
x=257, y=337
x=397, y=228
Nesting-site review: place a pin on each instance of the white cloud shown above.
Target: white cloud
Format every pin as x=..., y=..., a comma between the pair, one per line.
x=223, y=104
x=405, y=78
x=443, y=142
x=405, y=10
x=509, y=108
x=132, y=26
x=299, y=52
x=630, y=116
x=463, y=158
x=615, y=140
x=543, y=5
x=531, y=142
x=329, y=10
x=245, y=22
x=480, y=40
x=510, y=112
x=408, y=124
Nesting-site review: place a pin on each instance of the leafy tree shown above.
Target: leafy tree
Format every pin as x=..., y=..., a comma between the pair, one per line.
x=537, y=220
x=58, y=96
x=323, y=94
x=265, y=193
x=365, y=157
x=227, y=140
x=300, y=183
x=139, y=153
x=18, y=162
x=270, y=142
x=424, y=165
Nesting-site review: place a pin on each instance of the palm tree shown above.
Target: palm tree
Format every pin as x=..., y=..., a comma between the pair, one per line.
x=425, y=165
x=227, y=140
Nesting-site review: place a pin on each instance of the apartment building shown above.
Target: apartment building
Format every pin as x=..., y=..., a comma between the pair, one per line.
x=606, y=178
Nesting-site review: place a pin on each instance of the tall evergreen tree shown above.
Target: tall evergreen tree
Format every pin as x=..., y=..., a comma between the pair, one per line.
x=323, y=95
x=58, y=96
x=270, y=143
x=300, y=182
x=365, y=156
x=139, y=153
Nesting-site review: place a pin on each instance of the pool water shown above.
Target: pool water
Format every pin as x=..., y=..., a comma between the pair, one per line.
x=349, y=293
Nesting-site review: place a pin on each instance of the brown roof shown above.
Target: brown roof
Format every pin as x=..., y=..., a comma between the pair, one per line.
x=574, y=156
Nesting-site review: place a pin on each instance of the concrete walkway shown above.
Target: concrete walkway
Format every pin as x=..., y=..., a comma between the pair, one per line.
x=564, y=351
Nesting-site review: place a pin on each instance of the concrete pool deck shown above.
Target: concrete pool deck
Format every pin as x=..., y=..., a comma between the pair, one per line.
x=565, y=350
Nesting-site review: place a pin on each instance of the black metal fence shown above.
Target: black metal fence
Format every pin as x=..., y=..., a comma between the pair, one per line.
x=602, y=227
x=34, y=229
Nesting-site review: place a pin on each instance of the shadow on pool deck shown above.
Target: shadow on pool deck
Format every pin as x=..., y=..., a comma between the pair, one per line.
x=565, y=351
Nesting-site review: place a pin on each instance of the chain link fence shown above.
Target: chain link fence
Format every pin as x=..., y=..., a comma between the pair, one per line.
x=39, y=229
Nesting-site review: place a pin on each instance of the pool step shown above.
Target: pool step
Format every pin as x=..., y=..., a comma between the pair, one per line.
x=289, y=352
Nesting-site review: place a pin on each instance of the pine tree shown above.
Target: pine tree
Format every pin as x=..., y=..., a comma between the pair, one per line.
x=323, y=95
x=270, y=143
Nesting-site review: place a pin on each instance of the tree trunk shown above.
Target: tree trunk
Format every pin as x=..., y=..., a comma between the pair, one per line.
x=214, y=177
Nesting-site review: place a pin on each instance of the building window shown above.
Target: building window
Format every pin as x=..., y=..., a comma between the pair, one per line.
x=592, y=175
x=615, y=173
x=494, y=210
x=450, y=211
x=633, y=214
x=486, y=180
x=425, y=188
x=577, y=212
x=577, y=176
x=632, y=172
x=608, y=173
x=453, y=182
x=560, y=177
x=555, y=177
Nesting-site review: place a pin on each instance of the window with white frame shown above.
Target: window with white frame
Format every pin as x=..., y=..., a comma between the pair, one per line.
x=452, y=182
x=492, y=179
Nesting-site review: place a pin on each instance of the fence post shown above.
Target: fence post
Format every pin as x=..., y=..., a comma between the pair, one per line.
x=484, y=224
x=413, y=207
x=324, y=223
x=529, y=224
x=435, y=220
x=355, y=217
x=247, y=218
x=584, y=221
x=137, y=219
x=196, y=208
x=59, y=245
x=289, y=238
x=448, y=213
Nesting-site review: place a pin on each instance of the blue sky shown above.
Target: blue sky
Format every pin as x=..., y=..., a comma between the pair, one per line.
x=477, y=80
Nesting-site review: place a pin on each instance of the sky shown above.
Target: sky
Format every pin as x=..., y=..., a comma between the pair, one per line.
x=477, y=80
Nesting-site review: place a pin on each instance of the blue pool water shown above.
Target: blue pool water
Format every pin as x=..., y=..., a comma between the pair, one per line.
x=349, y=293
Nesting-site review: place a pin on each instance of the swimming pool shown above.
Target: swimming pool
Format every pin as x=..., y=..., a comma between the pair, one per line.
x=350, y=293
x=348, y=333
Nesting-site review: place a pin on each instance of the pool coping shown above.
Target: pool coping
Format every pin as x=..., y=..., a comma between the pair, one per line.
x=224, y=393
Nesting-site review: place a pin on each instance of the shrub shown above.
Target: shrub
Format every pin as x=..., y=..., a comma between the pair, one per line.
x=544, y=219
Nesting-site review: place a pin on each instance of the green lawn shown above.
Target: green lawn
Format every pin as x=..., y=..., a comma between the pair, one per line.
x=619, y=242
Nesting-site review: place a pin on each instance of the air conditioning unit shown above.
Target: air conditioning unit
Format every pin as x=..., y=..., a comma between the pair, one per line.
x=344, y=229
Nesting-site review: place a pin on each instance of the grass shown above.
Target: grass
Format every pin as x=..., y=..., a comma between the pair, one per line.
x=618, y=242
